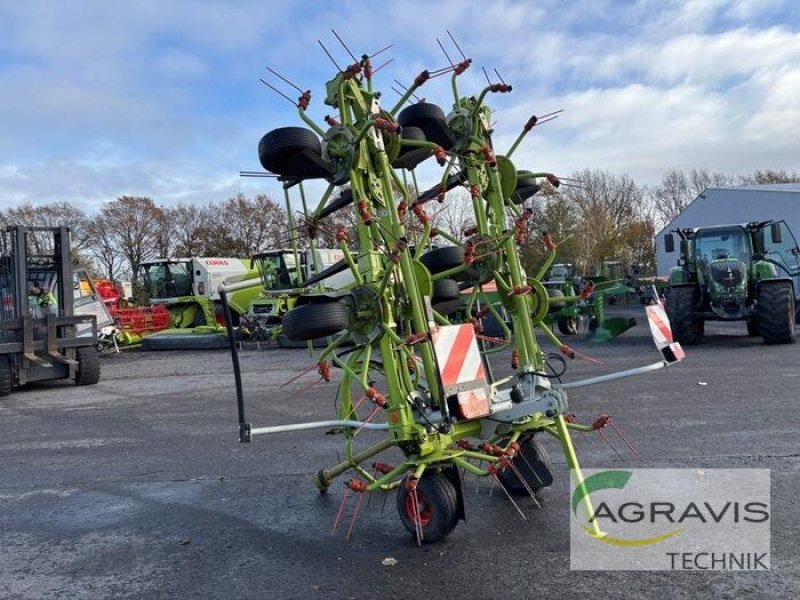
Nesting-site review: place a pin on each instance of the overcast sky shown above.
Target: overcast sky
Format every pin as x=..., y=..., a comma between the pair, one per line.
x=162, y=99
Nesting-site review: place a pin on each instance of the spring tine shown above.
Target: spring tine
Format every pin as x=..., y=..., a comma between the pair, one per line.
x=383, y=508
x=417, y=524
x=619, y=433
x=355, y=60
x=355, y=514
x=530, y=466
x=610, y=444
x=340, y=512
x=496, y=482
x=525, y=484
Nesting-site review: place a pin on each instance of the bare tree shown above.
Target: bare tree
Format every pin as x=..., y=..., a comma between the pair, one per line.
x=133, y=225
x=102, y=247
x=605, y=205
x=188, y=222
x=767, y=176
x=54, y=214
x=251, y=225
x=678, y=189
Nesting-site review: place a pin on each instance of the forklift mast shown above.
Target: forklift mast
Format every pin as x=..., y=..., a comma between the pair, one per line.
x=55, y=259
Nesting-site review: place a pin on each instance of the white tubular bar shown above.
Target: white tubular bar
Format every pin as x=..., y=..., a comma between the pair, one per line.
x=319, y=425
x=238, y=285
x=612, y=376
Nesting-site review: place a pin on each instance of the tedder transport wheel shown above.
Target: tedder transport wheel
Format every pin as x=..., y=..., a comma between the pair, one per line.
x=88, y=366
x=5, y=377
x=434, y=511
x=431, y=120
x=443, y=259
x=445, y=290
x=680, y=306
x=568, y=325
x=775, y=312
x=533, y=466
x=280, y=145
x=311, y=321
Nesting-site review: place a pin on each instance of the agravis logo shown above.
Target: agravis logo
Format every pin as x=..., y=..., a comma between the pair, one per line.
x=670, y=519
x=605, y=480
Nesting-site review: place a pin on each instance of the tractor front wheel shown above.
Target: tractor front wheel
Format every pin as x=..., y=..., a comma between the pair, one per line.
x=776, y=312
x=432, y=510
x=680, y=307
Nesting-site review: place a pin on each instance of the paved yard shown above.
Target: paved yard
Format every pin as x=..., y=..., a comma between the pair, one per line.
x=137, y=487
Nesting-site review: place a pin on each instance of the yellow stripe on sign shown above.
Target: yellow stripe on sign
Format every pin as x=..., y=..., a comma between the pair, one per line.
x=607, y=539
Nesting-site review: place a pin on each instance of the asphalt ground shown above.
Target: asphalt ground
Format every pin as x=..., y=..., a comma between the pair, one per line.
x=137, y=487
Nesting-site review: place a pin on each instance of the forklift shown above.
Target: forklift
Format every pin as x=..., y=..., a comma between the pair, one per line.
x=42, y=342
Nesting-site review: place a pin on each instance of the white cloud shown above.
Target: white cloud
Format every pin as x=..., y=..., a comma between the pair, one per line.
x=162, y=99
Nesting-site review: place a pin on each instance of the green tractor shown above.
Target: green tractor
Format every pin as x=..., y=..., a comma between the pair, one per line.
x=734, y=273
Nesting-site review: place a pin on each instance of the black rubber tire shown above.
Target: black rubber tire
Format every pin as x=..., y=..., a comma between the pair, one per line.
x=443, y=259
x=526, y=188
x=431, y=120
x=312, y=321
x=187, y=341
x=410, y=156
x=445, y=290
x=568, y=325
x=88, y=366
x=533, y=465
x=437, y=510
x=277, y=147
x=680, y=306
x=5, y=376
x=776, y=312
x=280, y=147
x=753, y=327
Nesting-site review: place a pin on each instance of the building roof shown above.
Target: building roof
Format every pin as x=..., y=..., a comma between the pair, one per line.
x=771, y=187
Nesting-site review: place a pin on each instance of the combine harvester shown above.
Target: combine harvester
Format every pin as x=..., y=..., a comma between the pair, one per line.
x=423, y=384
x=187, y=289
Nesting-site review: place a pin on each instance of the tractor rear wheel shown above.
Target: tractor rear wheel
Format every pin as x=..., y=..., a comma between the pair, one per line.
x=533, y=465
x=680, y=306
x=5, y=376
x=312, y=321
x=432, y=510
x=88, y=366
x=753, y=328
x=776, y=312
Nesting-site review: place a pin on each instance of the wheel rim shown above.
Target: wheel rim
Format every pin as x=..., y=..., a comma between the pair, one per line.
x=421, y=513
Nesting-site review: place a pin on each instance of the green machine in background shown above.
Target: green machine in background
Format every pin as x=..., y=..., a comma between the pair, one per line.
x=742, y=272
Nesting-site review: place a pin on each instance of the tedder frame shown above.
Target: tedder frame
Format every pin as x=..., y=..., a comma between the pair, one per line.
x=398, y=355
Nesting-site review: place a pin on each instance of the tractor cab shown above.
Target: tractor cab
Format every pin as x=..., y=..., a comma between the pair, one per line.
x=168, y=278
x=278, y=269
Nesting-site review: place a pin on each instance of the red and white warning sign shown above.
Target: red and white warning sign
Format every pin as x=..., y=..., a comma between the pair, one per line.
x=661, y=331
x=461, y=368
